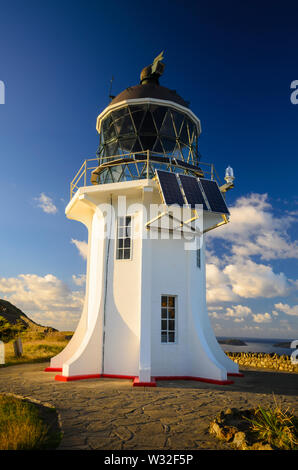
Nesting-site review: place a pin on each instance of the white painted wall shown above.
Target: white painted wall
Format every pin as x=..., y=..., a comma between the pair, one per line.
x=120, y=329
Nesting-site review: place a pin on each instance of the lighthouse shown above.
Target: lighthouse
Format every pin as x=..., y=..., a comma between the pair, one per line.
x=148, y=206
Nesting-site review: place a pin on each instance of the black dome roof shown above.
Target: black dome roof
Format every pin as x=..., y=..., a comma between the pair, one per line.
x=149, y=90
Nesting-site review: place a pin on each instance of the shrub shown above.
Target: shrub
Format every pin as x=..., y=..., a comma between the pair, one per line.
x=276, y=426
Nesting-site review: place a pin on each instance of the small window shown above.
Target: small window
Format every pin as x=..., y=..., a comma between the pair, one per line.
x=198, y=257
x=123, y=247
x=168, y=319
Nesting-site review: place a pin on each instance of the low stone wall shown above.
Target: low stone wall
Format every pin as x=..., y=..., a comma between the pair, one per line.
x=264, y=361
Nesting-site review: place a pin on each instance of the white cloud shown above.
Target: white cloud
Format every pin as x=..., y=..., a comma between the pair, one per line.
x=287, y=309
x=249, y=280
x=243, y=279
x=79, y=280
x=46, y=204
x=254, y=229
x=82, y=246
x=214, y=315
x=218, y=285
x=262, y=317
x=238, y=311
x=45, y=299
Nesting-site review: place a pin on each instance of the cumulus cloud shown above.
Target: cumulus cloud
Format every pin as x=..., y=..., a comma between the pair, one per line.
x=79, y=280
x=249, y=280
x=243, y=279
x=255, y=230
x=287, y=309
x=46, y=299
x=262, y=317
x=46, y=204
x=218, y=285
x=82, y=247
x=238, y=311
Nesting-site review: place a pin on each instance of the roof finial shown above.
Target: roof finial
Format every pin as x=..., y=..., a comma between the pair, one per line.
x=152, y=72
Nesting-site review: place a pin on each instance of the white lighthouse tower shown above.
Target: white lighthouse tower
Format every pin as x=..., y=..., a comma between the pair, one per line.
x=145, y=315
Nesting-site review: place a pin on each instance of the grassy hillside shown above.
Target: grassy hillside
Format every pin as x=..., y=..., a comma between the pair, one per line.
x=14, y=323
x=40, y=343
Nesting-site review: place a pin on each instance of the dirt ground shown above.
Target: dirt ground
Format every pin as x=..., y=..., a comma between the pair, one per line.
x=111, y=414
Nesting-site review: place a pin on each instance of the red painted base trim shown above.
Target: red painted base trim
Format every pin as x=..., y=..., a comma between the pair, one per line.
x=198, y=379
x=136, y=380
x=116, y=376
x=53, y=369
x=235, y=374
x=63, y=378
x=137, y=383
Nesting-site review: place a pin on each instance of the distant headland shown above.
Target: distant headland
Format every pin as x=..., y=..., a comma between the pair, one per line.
x=232, y=342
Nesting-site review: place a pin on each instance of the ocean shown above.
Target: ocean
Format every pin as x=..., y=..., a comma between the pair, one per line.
x=264, y=345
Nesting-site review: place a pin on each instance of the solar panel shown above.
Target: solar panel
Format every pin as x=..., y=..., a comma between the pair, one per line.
x=192, y=191
x=170, y=188
x=214, y=196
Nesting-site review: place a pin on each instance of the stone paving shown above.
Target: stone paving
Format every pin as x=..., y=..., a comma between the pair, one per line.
x=111, y=414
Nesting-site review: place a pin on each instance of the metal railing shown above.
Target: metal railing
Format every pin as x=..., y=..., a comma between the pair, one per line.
x=88, y=167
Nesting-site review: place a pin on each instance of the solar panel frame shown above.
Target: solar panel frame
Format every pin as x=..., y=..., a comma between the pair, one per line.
x=214, y=196
x=192, y=191
x=170, y=188
x=186, y=165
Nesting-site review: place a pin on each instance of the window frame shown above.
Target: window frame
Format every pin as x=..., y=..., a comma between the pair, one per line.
x=118, y=238
x=168, y=319
x=199, y=258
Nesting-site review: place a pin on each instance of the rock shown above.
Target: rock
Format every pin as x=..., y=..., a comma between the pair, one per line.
x=215, y=429
x=240, y=440
x=261, y=446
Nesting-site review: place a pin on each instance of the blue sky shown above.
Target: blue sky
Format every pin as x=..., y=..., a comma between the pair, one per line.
x=234, y=62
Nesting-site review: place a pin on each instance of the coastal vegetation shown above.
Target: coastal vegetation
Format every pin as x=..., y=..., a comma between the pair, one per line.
x=258, y=428
x=27, y=426
x=264, y=361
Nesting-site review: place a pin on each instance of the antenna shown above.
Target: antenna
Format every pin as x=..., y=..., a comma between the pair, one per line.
x=111, y=83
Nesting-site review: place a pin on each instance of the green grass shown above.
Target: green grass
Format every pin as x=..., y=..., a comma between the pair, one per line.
x=276, y=426
x=23, y=428
x=37, y=347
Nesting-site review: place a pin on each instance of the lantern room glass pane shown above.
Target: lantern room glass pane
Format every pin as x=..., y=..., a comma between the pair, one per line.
x=137, y=117
x=183, y=133
x=147, y=141
x=158, y=115
x=167, y=127
x=168, y=144
x=178, y=119
x=147, y=126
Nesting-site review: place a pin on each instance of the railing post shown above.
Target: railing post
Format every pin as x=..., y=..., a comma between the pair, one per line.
x=147, y=164
x=212, y=171
x=85, y=173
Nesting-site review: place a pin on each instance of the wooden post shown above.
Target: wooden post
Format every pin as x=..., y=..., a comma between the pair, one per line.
x=2, y=353
x=18, y=347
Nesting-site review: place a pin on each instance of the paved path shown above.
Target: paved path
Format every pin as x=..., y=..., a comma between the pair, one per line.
x=111, y=414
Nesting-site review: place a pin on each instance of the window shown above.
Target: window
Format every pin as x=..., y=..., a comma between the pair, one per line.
x=123, y=247
x=198, y=257
x=168, y=319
